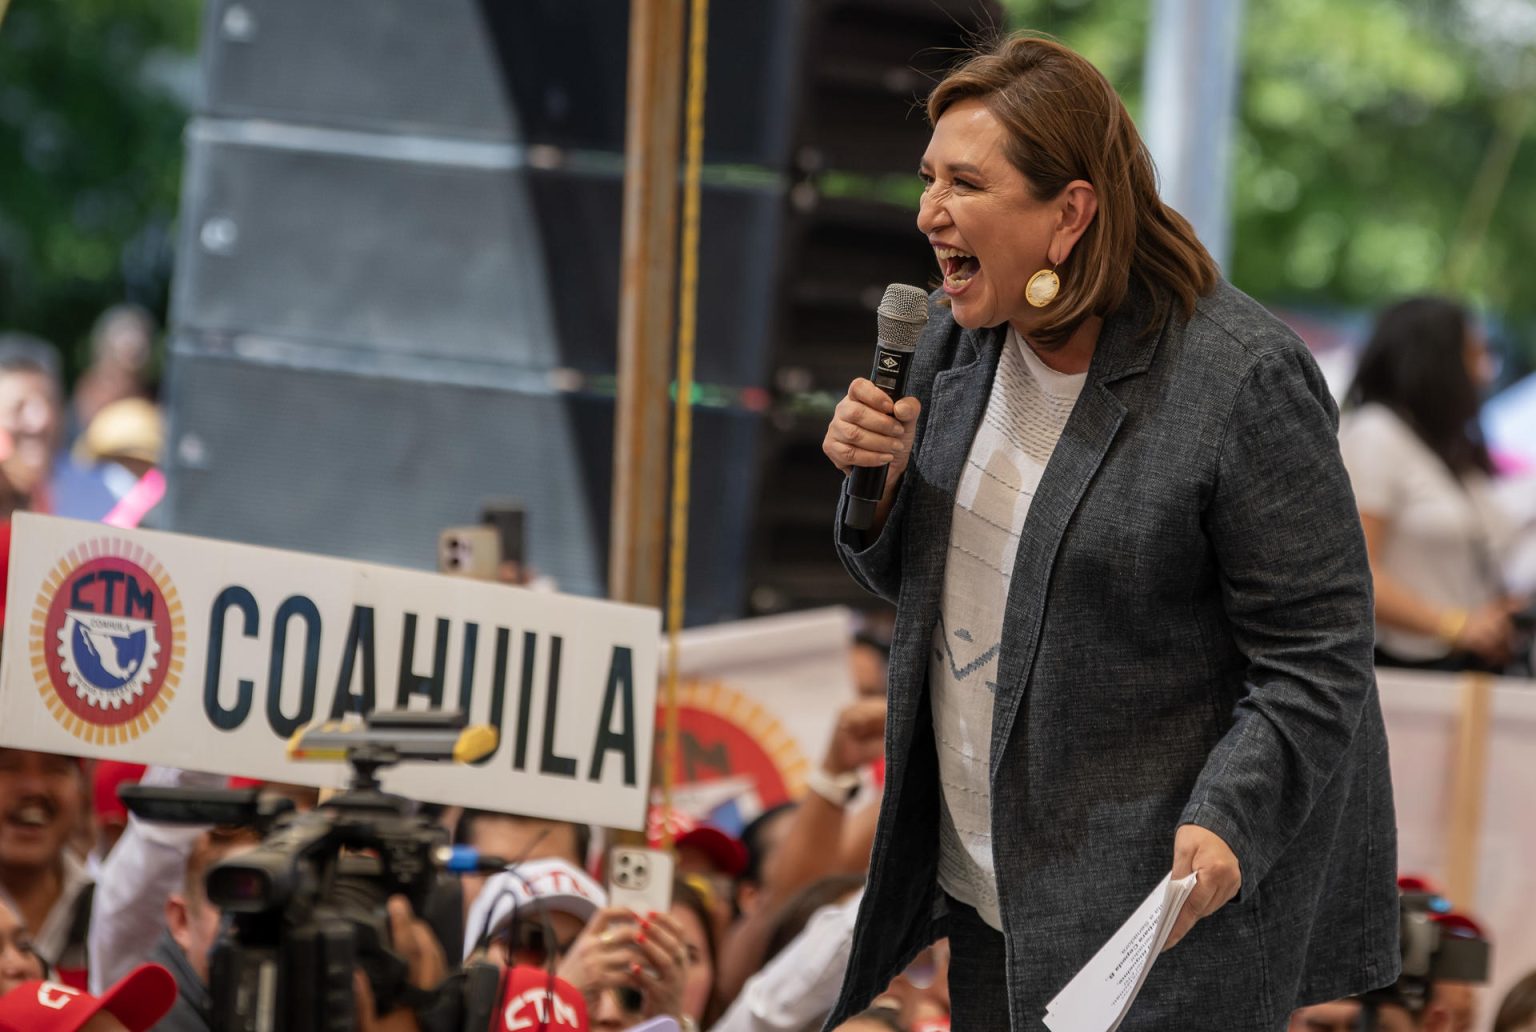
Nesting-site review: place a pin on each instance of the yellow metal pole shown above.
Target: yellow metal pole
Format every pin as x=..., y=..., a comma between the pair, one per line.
x=682, y=433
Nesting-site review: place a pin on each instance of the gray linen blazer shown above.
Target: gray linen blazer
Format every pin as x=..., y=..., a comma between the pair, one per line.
x=1187, y=640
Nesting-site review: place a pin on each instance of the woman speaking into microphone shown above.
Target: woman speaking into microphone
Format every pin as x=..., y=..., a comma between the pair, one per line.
x=1133, y=630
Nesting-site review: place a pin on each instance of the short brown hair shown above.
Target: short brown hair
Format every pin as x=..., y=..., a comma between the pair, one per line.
x=1064, y=121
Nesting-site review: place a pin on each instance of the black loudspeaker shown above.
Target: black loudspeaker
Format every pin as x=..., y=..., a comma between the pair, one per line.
x=538, y=71
x=361, y=64
x=846, y=253
x=402, y=252
x=400, y=229
x=432, y=252
x=869, y=64
x=813, y=84
x=373, y=467
x=740, y=250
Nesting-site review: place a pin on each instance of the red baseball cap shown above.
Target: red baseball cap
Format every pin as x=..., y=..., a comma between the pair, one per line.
x=726, y=853
x=110, y=774
x=139, y=1000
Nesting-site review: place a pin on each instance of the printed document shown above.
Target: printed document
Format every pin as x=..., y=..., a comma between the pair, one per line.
x=1099, y=996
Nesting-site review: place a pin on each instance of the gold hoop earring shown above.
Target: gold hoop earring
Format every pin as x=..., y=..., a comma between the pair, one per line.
x=1042, y=287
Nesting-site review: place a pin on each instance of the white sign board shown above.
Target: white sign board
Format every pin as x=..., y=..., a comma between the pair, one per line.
x=162, y=648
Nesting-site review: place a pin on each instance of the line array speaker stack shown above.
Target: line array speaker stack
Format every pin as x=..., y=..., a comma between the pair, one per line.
x=866, y=67
x=397, y=283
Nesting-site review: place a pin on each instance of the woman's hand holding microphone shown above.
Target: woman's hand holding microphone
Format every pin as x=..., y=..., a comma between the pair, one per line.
x=868, y=429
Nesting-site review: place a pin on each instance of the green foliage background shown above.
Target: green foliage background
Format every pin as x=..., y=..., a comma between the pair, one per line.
x=1362, y=165
x=90, y=158
x=1367, y=159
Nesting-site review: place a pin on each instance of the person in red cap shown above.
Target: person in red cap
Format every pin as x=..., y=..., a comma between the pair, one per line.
x=132, y=1005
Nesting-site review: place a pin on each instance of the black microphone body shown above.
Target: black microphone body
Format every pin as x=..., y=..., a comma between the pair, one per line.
x=902, y=315
x=866, y=484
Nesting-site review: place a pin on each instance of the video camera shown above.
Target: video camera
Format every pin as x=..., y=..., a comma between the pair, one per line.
x=1437, y=944
x=306, y=908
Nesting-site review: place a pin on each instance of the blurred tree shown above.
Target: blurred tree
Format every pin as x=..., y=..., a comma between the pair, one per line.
x=92, y=105
x=1379, y=150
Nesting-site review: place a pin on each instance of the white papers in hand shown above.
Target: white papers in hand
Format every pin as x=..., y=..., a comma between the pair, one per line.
x=1099, y=996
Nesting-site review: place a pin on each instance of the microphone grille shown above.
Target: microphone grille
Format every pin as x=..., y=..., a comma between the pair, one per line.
x=902, y=314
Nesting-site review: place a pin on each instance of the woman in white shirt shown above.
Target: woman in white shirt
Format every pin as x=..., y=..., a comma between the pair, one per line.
x=1421, y=475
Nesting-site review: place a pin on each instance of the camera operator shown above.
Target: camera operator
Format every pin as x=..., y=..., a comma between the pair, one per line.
x=192, y=925
x=146, y=867
x=192, y=928
x=320, y=925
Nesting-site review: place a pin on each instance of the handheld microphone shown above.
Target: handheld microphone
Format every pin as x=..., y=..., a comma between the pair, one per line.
x=534, y=1000
x=902, y=314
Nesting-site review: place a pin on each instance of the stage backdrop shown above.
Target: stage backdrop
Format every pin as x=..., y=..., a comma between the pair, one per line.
x=161, y=648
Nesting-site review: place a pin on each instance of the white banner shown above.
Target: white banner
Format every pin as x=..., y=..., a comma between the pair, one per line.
x=162, y=648
x=757, y=703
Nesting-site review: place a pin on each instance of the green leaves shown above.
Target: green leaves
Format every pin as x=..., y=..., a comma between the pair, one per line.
x=1365, y=128
x=1361, y=161
x=91, y=139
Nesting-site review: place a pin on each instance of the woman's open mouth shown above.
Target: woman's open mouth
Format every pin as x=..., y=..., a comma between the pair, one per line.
x=958, y=266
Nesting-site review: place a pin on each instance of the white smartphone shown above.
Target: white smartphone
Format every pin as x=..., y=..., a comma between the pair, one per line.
x=469, y=552
x=640, y=880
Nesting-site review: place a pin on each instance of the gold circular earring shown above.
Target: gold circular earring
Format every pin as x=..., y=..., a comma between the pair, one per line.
x=1042, y=287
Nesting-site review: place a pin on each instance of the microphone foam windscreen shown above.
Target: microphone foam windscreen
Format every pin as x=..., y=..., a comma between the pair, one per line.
x=902, y=314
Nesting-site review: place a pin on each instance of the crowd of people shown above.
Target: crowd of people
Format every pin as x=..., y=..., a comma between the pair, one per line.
x=110, y=914
x=105, y=918
x=92, y=454
x=756, y=935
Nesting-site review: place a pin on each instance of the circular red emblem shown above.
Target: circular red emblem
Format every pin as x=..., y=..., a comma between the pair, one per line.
x=728, y=740
x=107, y=641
